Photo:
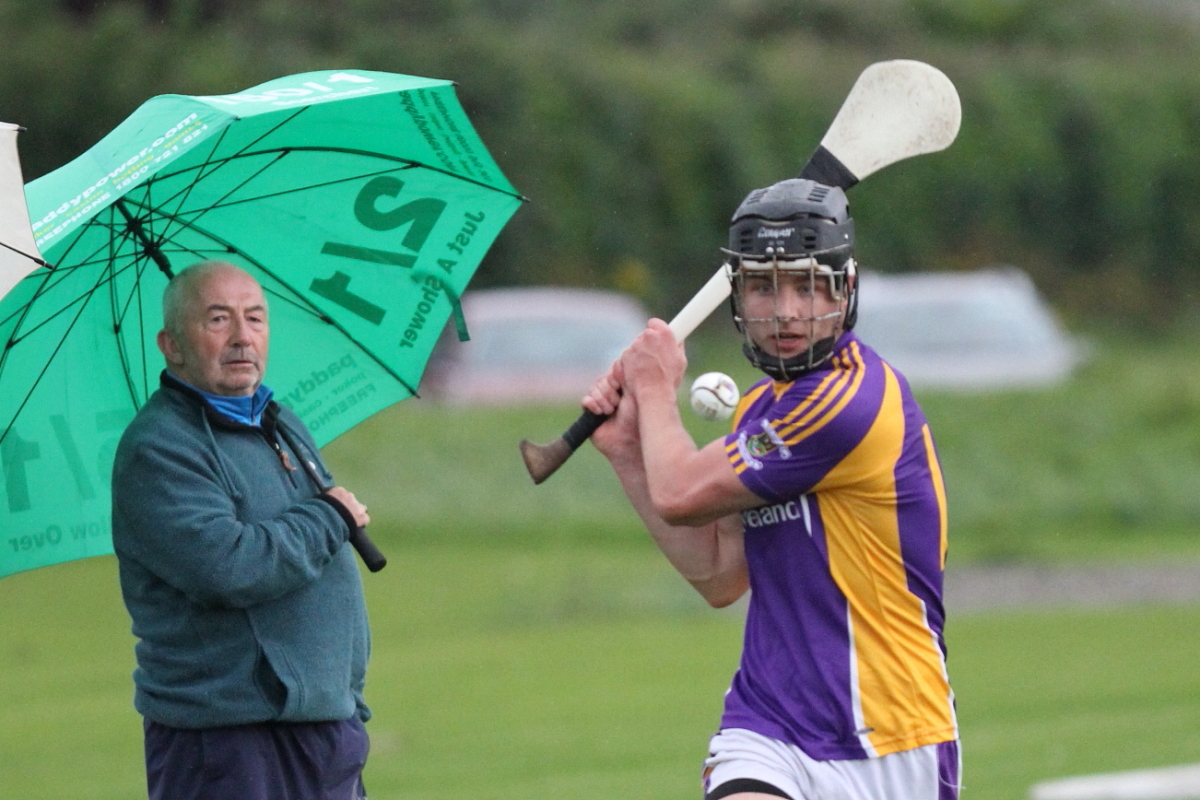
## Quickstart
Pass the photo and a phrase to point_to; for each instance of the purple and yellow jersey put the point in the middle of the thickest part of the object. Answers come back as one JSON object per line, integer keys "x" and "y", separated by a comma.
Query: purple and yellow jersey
{"x": 844, "y": 655}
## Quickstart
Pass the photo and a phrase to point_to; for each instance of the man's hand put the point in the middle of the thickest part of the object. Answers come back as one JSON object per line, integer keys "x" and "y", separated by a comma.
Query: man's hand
{"x": 347, "y": 499}
{"x": 655, "y": 361}
{"x": 618, "y": 437}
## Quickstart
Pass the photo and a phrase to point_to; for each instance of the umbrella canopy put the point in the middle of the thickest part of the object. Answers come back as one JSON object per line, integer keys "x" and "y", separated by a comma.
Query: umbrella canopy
{"x": 361, "y": 201}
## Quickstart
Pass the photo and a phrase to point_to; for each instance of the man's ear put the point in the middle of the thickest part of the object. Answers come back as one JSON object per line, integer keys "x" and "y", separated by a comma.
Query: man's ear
{"x": 169, "y": 347}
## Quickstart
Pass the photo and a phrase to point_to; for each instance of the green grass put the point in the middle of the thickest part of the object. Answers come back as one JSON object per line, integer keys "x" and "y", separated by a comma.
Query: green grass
{"x": 529, "y": 641}
{"x": 587, "y": 672}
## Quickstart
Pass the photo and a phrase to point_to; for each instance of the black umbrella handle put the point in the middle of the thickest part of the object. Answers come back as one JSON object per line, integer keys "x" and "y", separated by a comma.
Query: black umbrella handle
{"x": 370, "y": 554}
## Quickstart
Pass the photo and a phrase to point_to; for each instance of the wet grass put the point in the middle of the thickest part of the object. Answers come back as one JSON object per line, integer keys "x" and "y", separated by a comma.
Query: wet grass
{"x": 583, "y": 672}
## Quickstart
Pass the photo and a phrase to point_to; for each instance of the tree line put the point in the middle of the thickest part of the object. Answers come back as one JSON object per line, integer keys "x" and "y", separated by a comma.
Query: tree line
{"x": 636, "y": 128}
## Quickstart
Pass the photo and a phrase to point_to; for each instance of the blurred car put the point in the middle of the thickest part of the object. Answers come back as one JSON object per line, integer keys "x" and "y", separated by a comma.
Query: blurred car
{"x": 975, "y": 330}
{"x": 540, "y": 344}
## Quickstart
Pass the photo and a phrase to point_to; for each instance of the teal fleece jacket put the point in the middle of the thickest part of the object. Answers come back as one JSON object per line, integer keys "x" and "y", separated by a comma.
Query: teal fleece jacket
{"x": 245, "y": 597}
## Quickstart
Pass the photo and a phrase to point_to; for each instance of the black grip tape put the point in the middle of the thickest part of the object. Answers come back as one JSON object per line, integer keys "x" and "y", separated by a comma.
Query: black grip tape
{"x": 582, "y": 429}
{"x": 824, "y": 167}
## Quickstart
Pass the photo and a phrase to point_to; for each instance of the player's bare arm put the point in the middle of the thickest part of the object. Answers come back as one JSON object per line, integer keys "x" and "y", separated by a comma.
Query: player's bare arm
{"x": 688, "y": 486}
{"x": 708, "y": 556}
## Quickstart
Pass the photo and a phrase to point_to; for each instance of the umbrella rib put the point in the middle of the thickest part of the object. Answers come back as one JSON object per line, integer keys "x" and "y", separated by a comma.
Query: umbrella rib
{"x": 117, "y": 323}
{"x": 310, "y": 187}
{"x": 139, "y": 265}
{"x": 95, "y": 222}
{"x": 224, "y": 160}
{"x": 187, "y": 192}
{"x": 12, "y": 339}
{"x": 279, "y": 154}
{"x": 46, "y": 367}
{"x": 408, "y": 162}
{"x": 420, "y": 164}
{"x": 218, "y": 204}
{"x": 64, "y": 308}
{"x": 20, "y": 252}
{"x": 26, "y": 308}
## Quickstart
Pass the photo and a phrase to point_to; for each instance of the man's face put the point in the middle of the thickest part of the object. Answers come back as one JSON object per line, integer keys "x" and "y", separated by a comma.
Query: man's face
{"x": 784, "y": 312}
{"x": 223, "y": 346}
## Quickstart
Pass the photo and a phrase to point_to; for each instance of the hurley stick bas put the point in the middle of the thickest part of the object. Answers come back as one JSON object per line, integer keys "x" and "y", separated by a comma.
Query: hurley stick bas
{"x": 542, "y": 460}
{"x": 895, "y": 110}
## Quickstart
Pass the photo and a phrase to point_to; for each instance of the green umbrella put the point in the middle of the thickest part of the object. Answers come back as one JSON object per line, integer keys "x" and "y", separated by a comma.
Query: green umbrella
{"x": 361, "y": 201}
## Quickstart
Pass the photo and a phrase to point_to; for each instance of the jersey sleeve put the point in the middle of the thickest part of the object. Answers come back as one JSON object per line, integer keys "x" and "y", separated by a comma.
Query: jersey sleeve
{"x": 789, "y": 437}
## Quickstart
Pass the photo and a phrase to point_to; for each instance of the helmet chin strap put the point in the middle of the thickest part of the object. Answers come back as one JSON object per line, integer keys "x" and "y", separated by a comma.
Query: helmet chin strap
{"x": 789, "y": 369}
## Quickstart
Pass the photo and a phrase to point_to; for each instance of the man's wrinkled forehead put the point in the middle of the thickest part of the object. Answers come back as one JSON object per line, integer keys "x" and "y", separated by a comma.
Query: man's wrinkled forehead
{"x": 226, "y": 288}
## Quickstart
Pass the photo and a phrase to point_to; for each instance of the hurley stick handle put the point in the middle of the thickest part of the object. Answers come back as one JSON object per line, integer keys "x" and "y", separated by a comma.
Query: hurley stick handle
{"x": 543, "y": 460}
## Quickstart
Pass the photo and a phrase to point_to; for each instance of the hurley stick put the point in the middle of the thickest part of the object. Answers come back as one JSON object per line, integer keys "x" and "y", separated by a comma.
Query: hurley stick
{"x": 542, "y": 460}
{"x": 895, "y": 110}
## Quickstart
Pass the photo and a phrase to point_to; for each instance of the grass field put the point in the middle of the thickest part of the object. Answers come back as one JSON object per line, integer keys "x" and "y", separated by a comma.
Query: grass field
{"x": 584, "y": 673}
{"x": 529, "y": 642}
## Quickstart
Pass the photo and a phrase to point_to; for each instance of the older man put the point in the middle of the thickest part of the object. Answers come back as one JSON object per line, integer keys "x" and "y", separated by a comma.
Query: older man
{"x": 245, "y": 596}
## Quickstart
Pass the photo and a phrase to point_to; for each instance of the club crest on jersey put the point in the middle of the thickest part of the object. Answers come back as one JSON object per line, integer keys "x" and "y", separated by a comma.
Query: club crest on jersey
{"x": 753, "y": 447}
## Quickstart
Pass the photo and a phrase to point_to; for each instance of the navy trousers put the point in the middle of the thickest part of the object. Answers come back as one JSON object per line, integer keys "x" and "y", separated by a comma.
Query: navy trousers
{"x": 265, "y": 761}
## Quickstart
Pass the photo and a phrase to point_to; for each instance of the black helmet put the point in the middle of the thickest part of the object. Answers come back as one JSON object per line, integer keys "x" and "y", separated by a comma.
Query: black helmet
{"x": 793, "y": 219}
{"x": 794, "y": 225}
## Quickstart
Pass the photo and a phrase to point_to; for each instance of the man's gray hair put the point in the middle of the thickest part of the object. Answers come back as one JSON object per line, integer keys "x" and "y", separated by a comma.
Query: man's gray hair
{"x": 181, "y": 289}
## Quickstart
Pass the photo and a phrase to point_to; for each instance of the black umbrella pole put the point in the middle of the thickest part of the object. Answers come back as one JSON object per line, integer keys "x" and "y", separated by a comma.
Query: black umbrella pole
{"x": 370, "y": 554}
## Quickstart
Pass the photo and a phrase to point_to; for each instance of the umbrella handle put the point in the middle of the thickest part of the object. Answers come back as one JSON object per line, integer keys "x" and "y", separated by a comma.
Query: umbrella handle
{"x": 371, "y": 556}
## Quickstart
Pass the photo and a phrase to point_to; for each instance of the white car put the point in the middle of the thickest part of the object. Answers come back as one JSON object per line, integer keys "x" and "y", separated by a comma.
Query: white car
{"x": 966, "y": 330}
{"x": 541, "y": 344}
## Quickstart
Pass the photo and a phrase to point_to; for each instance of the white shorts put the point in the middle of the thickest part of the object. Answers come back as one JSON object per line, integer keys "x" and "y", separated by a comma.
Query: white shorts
{"x": 924, "y": 773}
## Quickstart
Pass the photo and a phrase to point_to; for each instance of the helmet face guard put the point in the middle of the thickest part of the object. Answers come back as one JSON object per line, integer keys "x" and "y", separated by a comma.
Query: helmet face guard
{"x": 810, "y": 314}
{"x": 799, "y": 230}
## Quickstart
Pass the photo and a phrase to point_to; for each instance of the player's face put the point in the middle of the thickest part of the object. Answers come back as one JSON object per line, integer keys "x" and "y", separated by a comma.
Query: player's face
{"x": 785, "y": 312}
{"x": 223, "y": 349}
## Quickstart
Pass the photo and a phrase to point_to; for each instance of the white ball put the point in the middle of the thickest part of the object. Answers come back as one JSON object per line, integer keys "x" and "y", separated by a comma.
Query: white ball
{"x": 714, "y": 396}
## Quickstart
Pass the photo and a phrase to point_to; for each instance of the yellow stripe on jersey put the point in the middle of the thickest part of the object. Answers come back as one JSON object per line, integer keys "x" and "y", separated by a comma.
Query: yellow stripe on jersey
{"x": 819, "y": 396}
{"x": 903, "y": 696}
{"x": 817, "y": 401}
{"x": 829, "y": 404}
{"x": 939, "y": 489}
{"x": 748, "y": 398}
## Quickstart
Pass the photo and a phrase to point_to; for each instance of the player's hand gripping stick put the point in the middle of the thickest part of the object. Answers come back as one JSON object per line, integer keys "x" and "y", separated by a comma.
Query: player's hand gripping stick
{"x": 543, "y": 460}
